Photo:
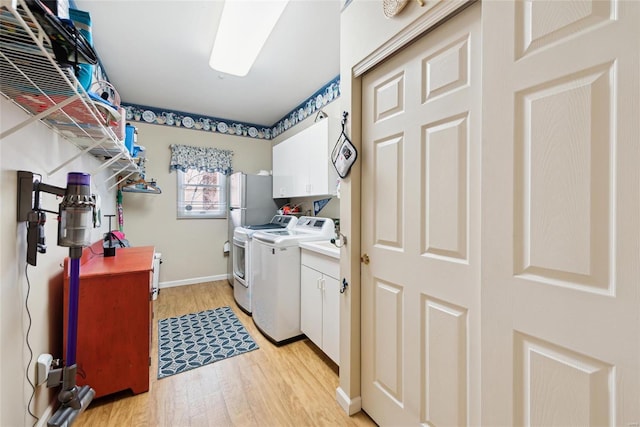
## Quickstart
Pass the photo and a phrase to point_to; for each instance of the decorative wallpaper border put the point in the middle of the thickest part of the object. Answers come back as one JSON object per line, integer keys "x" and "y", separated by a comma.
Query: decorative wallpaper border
{"x": 325, "y": 95}
{"x": 174, "y": 118}
{"x": 163, "y": 117}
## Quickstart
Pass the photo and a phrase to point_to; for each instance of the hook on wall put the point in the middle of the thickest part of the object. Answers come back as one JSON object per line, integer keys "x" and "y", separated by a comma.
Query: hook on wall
{"x": 321, "y": 115}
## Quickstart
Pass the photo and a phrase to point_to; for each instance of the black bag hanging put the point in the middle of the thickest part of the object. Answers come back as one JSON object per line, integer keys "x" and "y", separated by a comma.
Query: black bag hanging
{"x": 344, "y": 153}
{"x": 70, "y": 47}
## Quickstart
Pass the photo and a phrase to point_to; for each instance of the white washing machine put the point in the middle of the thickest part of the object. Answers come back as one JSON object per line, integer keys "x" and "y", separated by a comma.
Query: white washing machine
{"x": 275, "y": 275}
{"x": 242, "y": 257}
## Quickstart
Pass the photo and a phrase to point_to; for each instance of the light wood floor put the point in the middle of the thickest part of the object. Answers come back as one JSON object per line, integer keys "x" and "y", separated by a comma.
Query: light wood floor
{"x": 291, "y": 385}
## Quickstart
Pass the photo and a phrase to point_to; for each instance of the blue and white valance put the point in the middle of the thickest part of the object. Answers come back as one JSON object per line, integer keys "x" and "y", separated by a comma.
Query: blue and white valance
{"x": 207, "y": 159}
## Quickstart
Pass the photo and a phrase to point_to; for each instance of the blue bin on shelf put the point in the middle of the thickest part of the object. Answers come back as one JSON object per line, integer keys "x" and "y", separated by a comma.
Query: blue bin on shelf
{"x": 128, "y": 138}
{"x": 82, "y": 21}
{"x": 138, "y": 150}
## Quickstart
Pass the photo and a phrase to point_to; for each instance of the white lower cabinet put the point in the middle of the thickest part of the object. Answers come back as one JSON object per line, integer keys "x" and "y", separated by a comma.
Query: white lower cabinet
{"x": 320, "y": 301}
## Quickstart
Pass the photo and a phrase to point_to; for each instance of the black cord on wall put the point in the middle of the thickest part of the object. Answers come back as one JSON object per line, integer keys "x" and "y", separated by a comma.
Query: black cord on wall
{"x": 33, "y": 387}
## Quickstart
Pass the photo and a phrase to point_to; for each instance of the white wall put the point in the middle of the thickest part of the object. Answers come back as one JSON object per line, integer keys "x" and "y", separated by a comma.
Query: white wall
{"x": 37, "y": 149}
{"x": 191, "y": 248}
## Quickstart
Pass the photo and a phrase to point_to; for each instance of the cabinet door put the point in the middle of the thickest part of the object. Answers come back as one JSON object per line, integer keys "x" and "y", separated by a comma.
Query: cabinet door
{"x": 331, "y": 318}
{"x": 311, "y": 304}
{"x": 290, "y": 167}
{"x": 316, "y": 152}
{"x": 299, "y": 156}
{"x": 282, "y": 171}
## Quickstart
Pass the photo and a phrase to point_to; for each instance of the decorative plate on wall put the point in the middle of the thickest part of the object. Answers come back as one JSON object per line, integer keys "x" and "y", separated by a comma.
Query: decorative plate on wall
{"x": 188, "y": 122}
{"x": 148, "y": 116}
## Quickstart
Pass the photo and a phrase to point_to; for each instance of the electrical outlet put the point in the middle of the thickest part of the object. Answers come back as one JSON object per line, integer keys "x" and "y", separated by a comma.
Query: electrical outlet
{"x": 43, "y": 367}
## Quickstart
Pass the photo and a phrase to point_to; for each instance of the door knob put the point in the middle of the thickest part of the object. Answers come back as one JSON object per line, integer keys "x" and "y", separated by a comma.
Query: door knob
{"x": 364, "y": 259}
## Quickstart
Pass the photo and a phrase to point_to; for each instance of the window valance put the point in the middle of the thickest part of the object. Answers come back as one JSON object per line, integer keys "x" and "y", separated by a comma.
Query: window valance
{"x": 207, "y": 159}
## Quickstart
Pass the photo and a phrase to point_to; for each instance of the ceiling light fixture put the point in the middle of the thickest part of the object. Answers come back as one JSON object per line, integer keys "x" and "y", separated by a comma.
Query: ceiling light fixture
{"x": 244, "y": 28}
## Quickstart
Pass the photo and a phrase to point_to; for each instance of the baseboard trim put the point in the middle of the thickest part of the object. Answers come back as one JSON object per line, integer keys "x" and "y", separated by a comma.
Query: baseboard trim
{"x": 350, "y": 406}
{"x": 48, "y": 413}
{"x": 192, "y": 281}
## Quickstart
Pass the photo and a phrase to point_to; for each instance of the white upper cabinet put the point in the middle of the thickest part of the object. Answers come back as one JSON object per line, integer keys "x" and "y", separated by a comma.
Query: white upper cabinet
{"x": 302, "y": 163}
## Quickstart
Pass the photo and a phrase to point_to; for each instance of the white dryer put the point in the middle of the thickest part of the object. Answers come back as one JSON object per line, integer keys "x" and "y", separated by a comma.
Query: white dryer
{"x": 242, "y": 257}
{"x": 275, "y": 275}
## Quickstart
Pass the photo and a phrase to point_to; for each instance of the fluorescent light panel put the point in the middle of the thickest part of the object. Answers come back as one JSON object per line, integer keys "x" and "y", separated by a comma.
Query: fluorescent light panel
{"x": 244, "y": 28}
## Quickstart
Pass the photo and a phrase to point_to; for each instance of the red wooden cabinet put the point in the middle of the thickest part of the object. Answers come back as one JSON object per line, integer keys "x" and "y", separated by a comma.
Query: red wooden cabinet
{"x": 114, "y": 319}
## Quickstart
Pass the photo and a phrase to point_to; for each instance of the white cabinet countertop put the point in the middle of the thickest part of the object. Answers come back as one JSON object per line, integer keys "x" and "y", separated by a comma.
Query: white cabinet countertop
{"x": 322, "y": 247}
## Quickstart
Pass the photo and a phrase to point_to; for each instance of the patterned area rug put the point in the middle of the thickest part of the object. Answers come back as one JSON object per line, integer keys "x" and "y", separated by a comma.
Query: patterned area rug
{"x": 197, "y": 339}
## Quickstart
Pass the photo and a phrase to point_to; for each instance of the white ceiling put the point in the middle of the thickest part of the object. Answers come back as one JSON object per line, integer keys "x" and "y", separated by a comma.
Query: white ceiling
{"x": 156, "y": 53}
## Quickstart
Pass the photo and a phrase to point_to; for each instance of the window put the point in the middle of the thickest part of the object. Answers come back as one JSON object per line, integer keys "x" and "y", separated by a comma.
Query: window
{"x": 201, "y": 194}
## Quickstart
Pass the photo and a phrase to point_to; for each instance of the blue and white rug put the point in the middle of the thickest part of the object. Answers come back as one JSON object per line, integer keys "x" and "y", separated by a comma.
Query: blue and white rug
{"x": 197, "y": 339}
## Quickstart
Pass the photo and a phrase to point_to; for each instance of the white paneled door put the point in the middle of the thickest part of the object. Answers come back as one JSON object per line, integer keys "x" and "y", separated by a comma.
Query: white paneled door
{"x": 501, "y": 282}
{"x": 560, "y": 213}
{"x": 420, "y": 228}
